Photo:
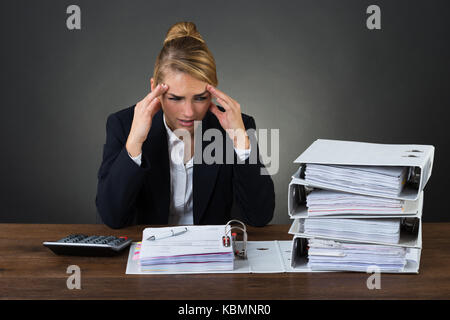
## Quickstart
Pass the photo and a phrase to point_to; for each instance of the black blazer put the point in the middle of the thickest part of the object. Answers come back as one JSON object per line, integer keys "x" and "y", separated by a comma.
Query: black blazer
{"x": 129, "y": 194}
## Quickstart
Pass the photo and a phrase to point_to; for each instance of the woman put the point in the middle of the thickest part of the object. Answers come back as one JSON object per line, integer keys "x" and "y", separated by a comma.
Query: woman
{"x": 149, "y": 173}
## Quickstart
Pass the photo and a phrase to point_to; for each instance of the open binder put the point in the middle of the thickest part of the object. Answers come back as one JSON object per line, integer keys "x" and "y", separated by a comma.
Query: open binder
{"x": 262, "y": 257}
{"x": 251, "y": 256}
{"x": 191, "y": 249}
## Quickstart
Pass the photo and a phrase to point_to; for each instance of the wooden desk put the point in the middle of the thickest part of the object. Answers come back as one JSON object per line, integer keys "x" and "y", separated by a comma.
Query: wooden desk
{"x": 28, "y": 270}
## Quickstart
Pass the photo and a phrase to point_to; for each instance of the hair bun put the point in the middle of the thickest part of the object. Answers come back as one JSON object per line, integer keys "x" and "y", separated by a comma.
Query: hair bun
{"x": 183, "y": 29}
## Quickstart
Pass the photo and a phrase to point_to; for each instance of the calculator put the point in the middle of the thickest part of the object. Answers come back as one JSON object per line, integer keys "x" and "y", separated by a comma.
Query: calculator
{"x": 83, "y": 245}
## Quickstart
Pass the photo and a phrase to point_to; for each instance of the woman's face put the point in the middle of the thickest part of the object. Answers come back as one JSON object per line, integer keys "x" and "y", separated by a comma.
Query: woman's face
{"x": 185, "y": 101}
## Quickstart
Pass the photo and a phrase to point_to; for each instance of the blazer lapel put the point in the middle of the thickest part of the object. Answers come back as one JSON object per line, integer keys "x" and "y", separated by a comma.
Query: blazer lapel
{"x": 204, "y": 176}
{"x": 155, "y": 152}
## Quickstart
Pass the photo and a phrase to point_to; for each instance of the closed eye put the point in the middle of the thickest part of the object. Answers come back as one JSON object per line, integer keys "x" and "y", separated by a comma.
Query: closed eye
{"x": 197, "y": 98}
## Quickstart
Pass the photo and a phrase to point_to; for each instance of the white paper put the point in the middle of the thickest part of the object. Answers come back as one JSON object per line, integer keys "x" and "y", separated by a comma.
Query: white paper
{"x": 326, "y": 202}
{"x": 380, "y": 230}
{"x": 200, "y": 248}
{"x": 382, "y": 181}
{"x": 336, "y": 255}
{"x": 410, "y": 208}
{"x": 407, "y": 240}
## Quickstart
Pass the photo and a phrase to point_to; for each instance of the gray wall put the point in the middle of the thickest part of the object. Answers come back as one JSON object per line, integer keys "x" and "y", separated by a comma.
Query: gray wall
{"x": 310, "y": 68}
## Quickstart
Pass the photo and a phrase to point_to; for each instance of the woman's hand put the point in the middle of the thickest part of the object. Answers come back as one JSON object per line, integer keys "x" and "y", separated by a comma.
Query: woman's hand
{"x": 142, "y": 120}
{"x": 231, "y": 119}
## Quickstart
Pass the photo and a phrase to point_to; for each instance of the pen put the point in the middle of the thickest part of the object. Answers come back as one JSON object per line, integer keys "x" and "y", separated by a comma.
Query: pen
{"x": 167, "y": 234}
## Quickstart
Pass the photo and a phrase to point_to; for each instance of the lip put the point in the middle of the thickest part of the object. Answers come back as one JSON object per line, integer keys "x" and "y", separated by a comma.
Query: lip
{"x": 186, "y": 123}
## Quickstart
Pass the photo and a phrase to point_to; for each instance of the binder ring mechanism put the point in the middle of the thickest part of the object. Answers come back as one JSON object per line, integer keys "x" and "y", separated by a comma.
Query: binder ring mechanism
{"x": 242, "y": 253}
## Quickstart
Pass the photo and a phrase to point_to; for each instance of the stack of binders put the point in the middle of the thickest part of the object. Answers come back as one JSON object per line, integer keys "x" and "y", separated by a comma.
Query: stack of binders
{"x": 358, "y": 206}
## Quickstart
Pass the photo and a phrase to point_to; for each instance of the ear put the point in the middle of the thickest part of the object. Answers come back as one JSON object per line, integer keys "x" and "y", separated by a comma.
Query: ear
{"x": 152, "y": 84}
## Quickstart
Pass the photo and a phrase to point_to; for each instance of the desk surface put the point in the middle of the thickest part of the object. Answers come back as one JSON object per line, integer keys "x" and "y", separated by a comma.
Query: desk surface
{"x": 28, "y": 270}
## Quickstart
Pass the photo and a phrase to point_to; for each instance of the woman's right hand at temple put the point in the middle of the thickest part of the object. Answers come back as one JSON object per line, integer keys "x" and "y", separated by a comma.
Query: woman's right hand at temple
{"x": 142, "y": 119}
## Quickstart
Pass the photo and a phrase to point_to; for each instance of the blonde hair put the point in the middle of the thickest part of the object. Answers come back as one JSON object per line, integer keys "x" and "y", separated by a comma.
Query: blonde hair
{"x": 185, "y": 50}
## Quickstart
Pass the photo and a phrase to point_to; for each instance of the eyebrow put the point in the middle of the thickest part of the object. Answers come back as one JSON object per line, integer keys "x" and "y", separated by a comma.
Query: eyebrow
{"x": 195, "y": 95}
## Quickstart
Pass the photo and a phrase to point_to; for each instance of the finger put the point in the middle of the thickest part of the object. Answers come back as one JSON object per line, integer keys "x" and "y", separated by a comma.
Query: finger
{"x": 159, "y": 90}
{"x": 234, "y": 101}
{"x": 215, "y": 110}
{"x": 223, "y": 103}
{"x": 219, "y": 94}
{"x": 154, "y": 106}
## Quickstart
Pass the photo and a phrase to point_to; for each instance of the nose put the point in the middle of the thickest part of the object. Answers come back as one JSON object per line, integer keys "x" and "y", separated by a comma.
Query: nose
{"x": 188, "y": 110}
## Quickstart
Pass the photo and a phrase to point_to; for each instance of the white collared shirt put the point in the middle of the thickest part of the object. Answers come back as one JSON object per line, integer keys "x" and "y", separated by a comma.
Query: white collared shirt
{"x": 181, "y": 177}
